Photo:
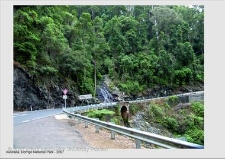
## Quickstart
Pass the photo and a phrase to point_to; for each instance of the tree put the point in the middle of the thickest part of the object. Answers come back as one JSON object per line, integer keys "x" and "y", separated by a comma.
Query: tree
{"x": 163, "y": 17}
{"x": 100, "y": 45}
{"x": 194, "y": 17}
{"x": 114, "y": 37}
{"x": 136, "y": 45}
{"x": 25, "y": 37}
{"x": 184, "y": 54}
{"x": 183, "y": 76}
{"x": 52, "y": 38}
{"x": 85, "y": 28}
{"x": 129, "y": 31}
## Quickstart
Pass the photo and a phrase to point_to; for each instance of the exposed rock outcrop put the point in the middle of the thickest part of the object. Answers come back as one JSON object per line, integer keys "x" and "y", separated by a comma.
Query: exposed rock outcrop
{"x": 28, "y": 96}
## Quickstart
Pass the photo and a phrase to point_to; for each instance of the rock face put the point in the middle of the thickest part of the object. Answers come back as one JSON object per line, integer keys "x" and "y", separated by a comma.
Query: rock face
{"x": 28, "y": 96}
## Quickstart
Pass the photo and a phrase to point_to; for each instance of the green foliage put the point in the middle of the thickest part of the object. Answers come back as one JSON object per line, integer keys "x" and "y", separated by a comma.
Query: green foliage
{"x": 116, "y": 119}
{"x": 111, "y": 85}
{"x": 199, "y": 77}
{"x": 198, "y": 108}
{"x": 25, "y": 37}
{"x": 134, "y": 108}
{"x": 101, "y": 114}
{"x": 138, "y": 47}
{"x": 87, "y": 86}
{"x": 183, "y": 122}
{"x": 170, "y": 123}
{"x": 48, "y": 70}
{"x": 173, "y": 100}
{"x": 117, "y": 110}
{"x": 183, "y": 76}
{"x": 130, "y": 87}
{"x": 184, "y": 53}
{"x": 195, "y": 136}
{"x": 156, "y": 112}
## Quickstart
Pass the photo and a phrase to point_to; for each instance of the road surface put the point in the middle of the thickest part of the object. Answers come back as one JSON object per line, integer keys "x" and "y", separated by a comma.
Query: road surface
{"x": 23, "y": 117}
{"x": 41, "y": 129}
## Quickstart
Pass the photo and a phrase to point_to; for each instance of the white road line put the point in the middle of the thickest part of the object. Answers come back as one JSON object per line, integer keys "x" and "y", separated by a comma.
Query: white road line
{"x": 25, "y": 121}
{"x": 45, "y": 116}
{"x": 17, "y": 115}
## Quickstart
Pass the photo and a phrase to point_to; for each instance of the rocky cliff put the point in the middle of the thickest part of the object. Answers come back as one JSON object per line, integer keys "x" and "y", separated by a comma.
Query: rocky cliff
{"x": 29, "y": 96}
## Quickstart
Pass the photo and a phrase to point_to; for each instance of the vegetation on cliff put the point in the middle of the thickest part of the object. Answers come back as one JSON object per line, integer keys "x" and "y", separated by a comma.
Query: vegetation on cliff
{"x": 137, "y": 46}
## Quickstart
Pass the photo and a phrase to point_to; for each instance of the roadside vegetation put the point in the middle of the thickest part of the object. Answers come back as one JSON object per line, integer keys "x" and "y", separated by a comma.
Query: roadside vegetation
{"x": 187, "y": 122}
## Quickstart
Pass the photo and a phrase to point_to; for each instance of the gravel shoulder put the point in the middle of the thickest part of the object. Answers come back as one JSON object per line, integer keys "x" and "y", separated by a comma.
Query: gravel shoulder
{"x": 102, "y": 140}
{"x": 61, "y": 132}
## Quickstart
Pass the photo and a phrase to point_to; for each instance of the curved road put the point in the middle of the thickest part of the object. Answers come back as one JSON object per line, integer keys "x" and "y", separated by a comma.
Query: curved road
{"x": 23, "y": 117}
{"x": 41, "y": 129}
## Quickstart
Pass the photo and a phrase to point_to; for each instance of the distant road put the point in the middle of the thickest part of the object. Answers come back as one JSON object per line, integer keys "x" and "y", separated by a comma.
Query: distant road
{"x": 23, "y": 117}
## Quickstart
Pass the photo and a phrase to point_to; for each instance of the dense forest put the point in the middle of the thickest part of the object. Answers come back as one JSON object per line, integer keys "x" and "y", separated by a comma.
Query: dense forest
{"x": 138, "y": 47}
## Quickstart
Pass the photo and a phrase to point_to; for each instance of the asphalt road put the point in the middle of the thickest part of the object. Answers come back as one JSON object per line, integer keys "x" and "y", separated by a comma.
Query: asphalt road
{"x": 41, "y": 129}
{"x": 47, "y": 133}
{"x": 27, "y": 116}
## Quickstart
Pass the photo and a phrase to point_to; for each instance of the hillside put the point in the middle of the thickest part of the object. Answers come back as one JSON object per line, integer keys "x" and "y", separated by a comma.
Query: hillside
{"x": 28, "y": 94}
{"x": 171, "y": 119}
{"x": 146, "y": 51}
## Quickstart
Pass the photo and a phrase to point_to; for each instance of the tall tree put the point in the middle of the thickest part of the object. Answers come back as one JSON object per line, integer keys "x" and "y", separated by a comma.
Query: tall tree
{"x": 100, "y": 46}
{"x": 26, "y": 36}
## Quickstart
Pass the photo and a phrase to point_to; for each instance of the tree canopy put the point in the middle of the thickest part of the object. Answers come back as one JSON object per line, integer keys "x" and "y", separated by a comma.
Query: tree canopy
{"x": 138, "y": 46}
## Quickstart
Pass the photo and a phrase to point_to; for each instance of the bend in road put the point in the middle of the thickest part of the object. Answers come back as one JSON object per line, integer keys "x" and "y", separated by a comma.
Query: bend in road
{"x": 23, "y": 117}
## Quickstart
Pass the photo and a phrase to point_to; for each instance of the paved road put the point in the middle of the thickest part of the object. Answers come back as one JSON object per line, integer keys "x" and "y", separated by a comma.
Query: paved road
{"x": 47, "y": 133}
{"x": 23, "y": 117}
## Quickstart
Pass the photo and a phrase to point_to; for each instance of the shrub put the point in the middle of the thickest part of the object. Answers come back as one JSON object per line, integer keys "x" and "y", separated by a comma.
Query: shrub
{"x": 173, "y": 100}
{"x": 101, "y": 114}
{"x": 198, "y": 108}
{"x": 199, "y": 78}
{"x": 195, "y": 136}
{"x": 171, "y": 123}
{"x": 156, "y": 113}
{"x": 117, "y": 109}
{"x": 134, "y": 108}
{"x": 116, "y": 119}
{"x": 183, "y": 76}
{"x": 156, "y": 110}
{"x": 130, "y": 87}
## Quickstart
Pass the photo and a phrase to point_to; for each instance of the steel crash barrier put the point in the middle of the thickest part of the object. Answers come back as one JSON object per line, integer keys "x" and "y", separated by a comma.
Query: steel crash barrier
{"x": 81, "y": 109}
{"x": 138, "y": 135}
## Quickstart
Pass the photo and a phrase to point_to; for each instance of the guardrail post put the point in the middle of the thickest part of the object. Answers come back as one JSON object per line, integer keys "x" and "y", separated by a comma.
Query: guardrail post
{"x": 137, "y": 141}
{"x": 79, "y": 121}
{"x": 112, "y": 132}
{"x": 86, "y": 124}
{"x": 96, "y": 127}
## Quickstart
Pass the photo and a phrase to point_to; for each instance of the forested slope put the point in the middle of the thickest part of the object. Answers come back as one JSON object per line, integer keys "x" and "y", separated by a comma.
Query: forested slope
{"x": 139, "y": 47}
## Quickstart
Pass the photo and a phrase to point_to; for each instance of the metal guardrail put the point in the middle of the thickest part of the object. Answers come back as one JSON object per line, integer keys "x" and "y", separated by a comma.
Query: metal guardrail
{"x": 159, "y": 140}
{"x": 111, "y": 104}
{"x": 81, "y": 109}
{"x": 178, "y": 95}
